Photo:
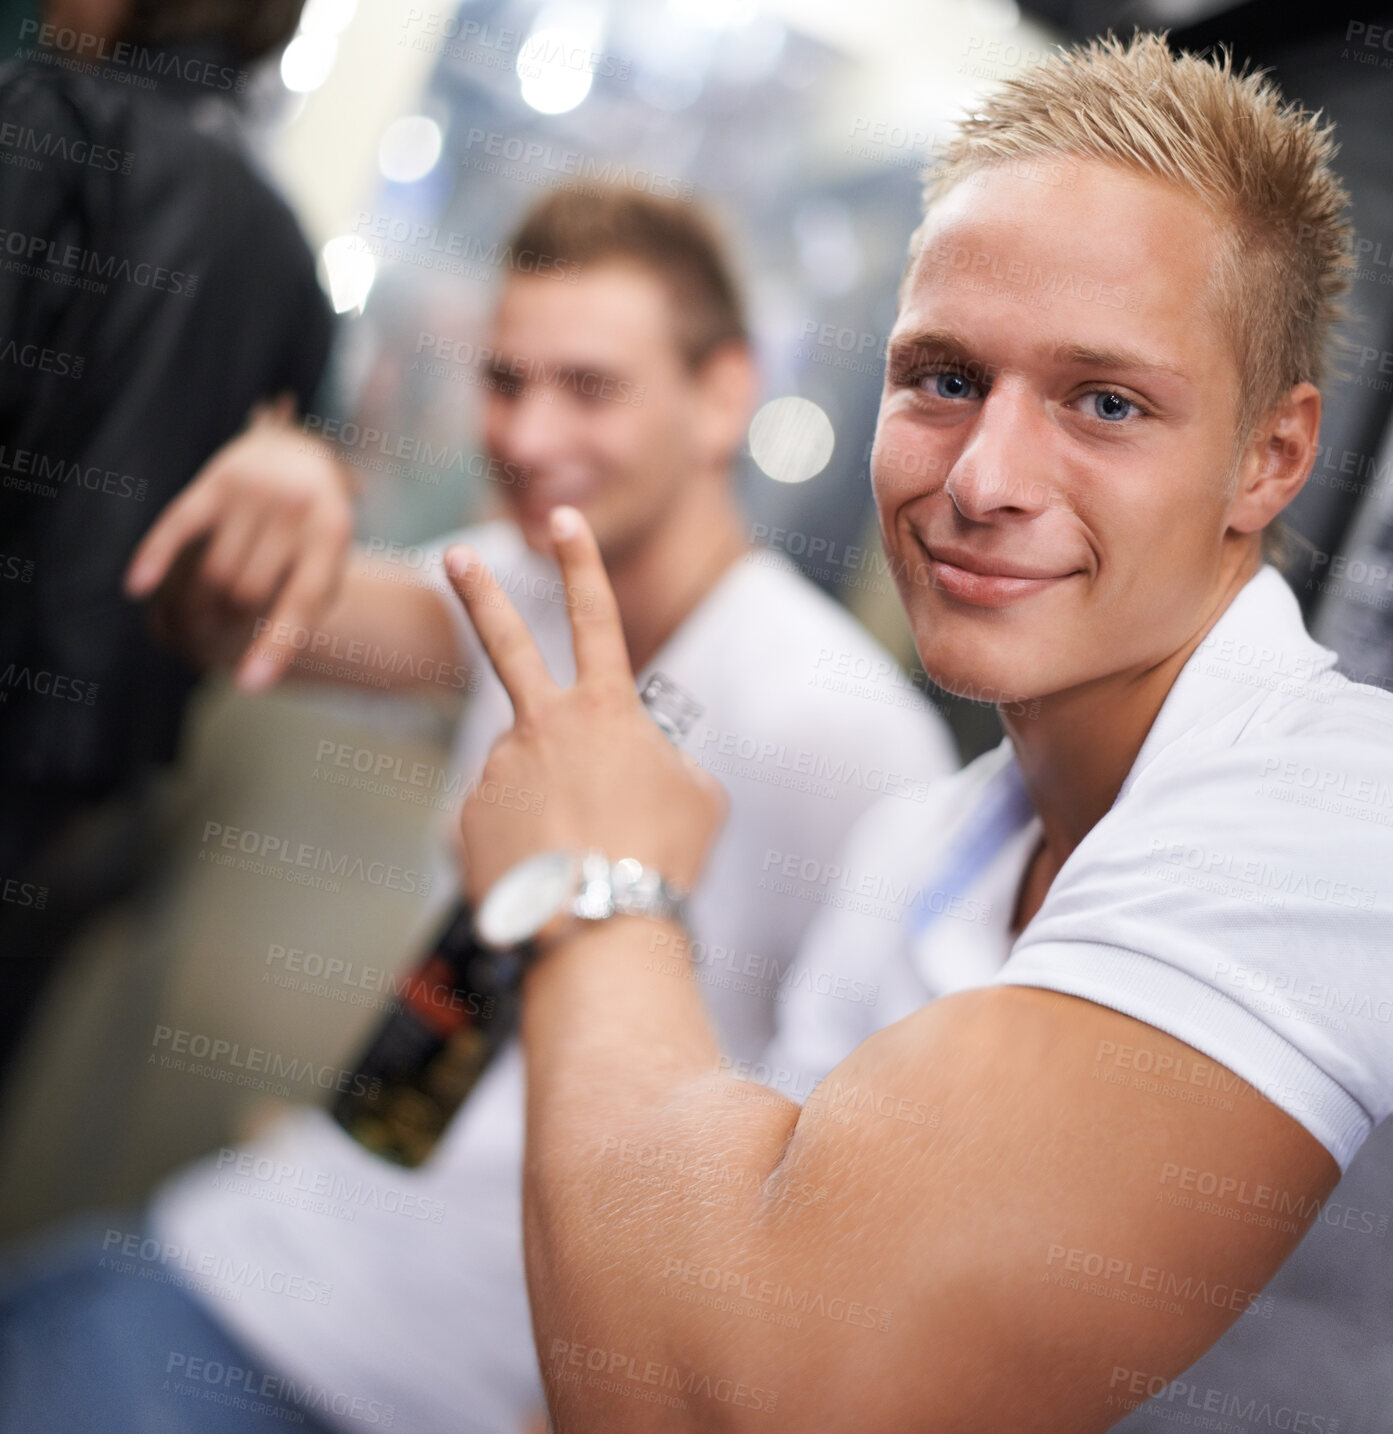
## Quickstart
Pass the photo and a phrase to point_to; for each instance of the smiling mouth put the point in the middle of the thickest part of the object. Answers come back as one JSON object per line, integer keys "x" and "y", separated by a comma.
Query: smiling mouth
{"x": 542, "y": 493}
{"x": 985, "y": 589}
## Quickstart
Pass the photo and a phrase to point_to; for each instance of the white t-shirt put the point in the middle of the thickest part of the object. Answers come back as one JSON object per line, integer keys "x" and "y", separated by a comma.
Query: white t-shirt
{"x": 1237, "y": 895}
{"x": 424, "y": 1306}
{"x": 923, "y": 914}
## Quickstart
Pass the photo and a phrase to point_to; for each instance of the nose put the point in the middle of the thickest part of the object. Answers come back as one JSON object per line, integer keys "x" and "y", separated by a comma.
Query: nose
{"x": 1003, "y": 464}
{"x": 525, "y": 427}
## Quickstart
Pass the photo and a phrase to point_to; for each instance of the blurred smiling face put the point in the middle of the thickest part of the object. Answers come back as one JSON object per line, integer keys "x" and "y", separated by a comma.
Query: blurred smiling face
{"x": 1056, "y": 431}
{"x": 591, "y": 397}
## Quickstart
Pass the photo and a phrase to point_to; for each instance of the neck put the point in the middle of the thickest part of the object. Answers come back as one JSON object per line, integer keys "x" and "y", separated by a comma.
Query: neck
{"x": 661, "y": 579}
{"x": 1076, "y": 752}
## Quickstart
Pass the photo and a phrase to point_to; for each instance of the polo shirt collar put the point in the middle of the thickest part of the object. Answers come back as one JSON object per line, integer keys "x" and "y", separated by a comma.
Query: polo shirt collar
{"x": 1258, "y": 647}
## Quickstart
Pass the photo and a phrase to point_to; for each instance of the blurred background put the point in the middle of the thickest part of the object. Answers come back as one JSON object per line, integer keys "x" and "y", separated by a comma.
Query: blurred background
{"x": 408, "y": 139}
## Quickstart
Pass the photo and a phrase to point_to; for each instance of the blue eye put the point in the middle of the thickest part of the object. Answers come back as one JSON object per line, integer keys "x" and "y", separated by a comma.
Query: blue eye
{"x": 1112, "y": 406}
{"x": 952, "y": 385}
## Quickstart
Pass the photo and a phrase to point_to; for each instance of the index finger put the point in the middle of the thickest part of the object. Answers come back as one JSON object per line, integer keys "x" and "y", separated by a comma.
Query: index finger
{"x": 185, "y": 519}
{"x": 307, "y": 595}
{"x": 505, "y": 636}
{"x": 596, "y": 631}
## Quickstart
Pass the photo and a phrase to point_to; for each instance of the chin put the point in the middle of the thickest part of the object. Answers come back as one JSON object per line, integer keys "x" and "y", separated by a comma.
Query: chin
{"x": 535, "y": 531}
{"x": 535, "y": 523}
{"x": 964, "y": 670}
{"x": 534, "y": 519}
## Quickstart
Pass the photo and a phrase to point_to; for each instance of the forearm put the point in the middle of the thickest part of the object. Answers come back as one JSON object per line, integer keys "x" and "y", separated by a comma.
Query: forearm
{"x": 385, "y": 631}
{"x": 624, "y": 1085}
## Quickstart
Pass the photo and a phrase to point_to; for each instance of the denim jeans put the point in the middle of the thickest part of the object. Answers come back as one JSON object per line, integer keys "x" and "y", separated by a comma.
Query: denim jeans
{"x": 96, "y": 1342}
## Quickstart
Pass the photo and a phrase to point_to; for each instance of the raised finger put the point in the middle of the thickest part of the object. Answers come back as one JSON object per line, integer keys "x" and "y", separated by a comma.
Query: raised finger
{"x": 601, "y": 652}
{"x": 302, "y": 603}
{"x": 188, "y": 517}
{"x": 505, "y": 636}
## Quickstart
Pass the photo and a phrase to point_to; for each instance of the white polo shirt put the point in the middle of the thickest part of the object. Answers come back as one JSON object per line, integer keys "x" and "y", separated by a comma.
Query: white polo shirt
{"x": 1237, "y": 895}
{"x": 420, "y": 1300}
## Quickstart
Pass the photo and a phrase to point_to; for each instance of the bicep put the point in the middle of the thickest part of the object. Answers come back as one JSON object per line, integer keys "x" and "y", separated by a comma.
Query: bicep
{"x": 1023, "y": 1215}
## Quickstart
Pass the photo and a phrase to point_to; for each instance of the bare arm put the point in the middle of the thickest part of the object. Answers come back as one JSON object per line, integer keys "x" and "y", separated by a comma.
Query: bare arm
{"x": 385, "y": 629}
{"x": 251, "y": 567}
{"x": 966, "y": 1228}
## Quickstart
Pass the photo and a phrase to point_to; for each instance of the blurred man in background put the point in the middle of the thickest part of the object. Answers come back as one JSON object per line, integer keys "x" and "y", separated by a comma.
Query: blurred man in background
{"x": 153, "y": 290}
{"x": 619, "y": 379}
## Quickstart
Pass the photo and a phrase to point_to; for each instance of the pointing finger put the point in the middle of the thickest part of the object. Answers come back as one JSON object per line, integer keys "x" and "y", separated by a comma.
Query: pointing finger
{"x": 185, "y": 519}
{"x": 601, "y": 652}
{"x": 505, "y": 636}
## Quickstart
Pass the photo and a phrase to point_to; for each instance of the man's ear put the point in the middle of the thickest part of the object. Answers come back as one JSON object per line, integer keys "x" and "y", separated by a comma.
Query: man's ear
{"x": 729, "y": 384}
{"x": 1276, "y": 460}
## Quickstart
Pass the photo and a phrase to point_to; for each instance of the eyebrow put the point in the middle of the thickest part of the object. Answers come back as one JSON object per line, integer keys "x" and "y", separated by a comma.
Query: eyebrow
{"x": 1085, "y": 356}
{"x": 945, "y": 341}
{"x": 937, "y": 340}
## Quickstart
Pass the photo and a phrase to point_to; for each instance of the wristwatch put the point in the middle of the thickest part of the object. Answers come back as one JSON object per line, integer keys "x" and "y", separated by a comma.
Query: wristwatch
{"x": 539, "y": 897}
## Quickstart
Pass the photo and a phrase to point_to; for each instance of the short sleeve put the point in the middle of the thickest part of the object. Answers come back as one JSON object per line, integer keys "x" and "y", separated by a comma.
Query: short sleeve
{"x": 1239, "y": 900}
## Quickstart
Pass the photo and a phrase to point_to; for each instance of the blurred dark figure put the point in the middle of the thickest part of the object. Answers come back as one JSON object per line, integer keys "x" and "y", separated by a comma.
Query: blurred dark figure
{"x": 153, "y": 290}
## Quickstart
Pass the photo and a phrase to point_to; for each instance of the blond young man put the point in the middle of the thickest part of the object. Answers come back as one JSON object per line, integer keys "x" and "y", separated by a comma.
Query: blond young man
{"x": 1100, "y": 395}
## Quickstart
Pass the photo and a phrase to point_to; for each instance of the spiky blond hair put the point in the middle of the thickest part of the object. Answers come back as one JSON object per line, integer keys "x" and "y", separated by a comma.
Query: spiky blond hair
{"x": 1261, "y": 165}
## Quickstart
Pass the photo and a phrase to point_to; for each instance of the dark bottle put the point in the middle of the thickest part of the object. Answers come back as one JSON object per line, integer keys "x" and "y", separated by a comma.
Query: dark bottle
{"x": 455, "y": 1011}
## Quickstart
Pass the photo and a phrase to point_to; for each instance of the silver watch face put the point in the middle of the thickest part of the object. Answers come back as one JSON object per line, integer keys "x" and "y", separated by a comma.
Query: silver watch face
{"x": 526, "y": 897}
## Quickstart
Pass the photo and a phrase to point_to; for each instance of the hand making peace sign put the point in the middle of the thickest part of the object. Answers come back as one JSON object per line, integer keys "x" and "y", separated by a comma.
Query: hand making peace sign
{"x": 607, "y": 776}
